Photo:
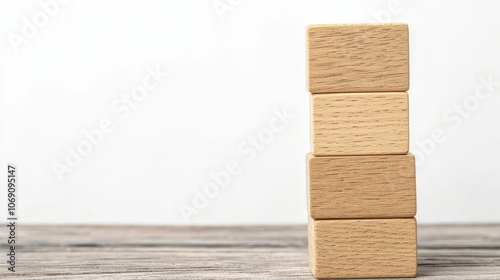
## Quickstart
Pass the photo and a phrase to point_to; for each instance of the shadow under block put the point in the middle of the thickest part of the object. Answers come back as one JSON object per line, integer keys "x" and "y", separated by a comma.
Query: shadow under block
{"x": 357, "y": 187}
{"x": 357, "y": 58}
{"x": 369, "y": 248}
{"x": 359, "y": 123}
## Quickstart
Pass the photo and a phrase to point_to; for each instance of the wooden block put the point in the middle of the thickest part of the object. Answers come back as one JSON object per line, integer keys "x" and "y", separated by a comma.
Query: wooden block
{"x": 369, "y": 248}
{"x": 357, "y": 58}
{"x": 356, "y": 187}
{"x": 359, "y": 123}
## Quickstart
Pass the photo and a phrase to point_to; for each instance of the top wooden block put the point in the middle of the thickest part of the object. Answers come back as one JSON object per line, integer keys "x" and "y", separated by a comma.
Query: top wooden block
{"x": 357, "y": 58}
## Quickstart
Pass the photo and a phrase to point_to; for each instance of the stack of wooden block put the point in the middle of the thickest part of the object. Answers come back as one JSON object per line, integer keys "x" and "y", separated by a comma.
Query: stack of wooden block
{"x": 361, "y": 179}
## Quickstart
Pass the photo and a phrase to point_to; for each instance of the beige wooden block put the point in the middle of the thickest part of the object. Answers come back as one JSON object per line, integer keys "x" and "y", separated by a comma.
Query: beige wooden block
{"x": 357, "y": 58}
{"x": 359, "y": 123}
{"x": 367, "y": 248}
{"x": 354, "y": 187}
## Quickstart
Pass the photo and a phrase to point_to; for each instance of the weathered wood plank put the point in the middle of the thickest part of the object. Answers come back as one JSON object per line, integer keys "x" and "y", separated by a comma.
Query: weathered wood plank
{"x": 277, "y": 252}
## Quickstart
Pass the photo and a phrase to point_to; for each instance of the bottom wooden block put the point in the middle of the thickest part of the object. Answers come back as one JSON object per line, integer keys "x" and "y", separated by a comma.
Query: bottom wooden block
{"x": 368, "y": 248}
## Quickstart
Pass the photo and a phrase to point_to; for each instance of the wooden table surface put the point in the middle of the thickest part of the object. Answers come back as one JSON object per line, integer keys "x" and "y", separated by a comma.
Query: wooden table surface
{"x": 262, "y": 252}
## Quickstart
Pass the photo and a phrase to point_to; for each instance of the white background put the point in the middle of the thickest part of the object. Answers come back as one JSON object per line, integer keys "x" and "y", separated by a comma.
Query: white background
{"x": 229, "y": 71}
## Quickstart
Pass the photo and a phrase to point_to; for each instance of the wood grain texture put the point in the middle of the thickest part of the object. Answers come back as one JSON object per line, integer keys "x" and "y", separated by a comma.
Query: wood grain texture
{"x": 357, "y": 58}
{"x": 349, "y": 187}
{"x": 367, "y": 248}
{"x": 448, "y": 252}
{"x": 359, "y": 123}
